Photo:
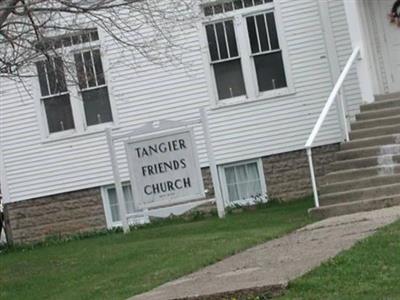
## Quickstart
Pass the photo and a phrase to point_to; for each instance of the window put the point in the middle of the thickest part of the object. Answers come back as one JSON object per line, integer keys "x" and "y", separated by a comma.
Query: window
{"x": 243, "y": 182}
{"x": 54, "y": 95}
{"x": 82, "y": 100}
{"x": 111, "y": 206}
{"x": 225, "y": 59}
{"x": 113, "y": 202}
{"x": 244, "y": 50}
{"x": 92, "y": 87}
{"x": 265, "y": 51}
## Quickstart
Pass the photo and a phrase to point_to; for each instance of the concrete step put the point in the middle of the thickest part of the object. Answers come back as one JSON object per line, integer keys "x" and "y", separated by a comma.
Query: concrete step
{"x": 365, "y": 162}
{"x": 372, "y": 141}
{"x": 374, "y": 132}
{"x": 377, "y": 114}
{"x": 391, "y": 103}
{"x": 387, "y": 96}
{"x": 360, "y": 194}
{"x": 359, "y": 183}
{"x": 324, "y": 212}
{"x": 340, "y": 176}
{"x": 372, "y": 123}
{"x": 367, "y": 152}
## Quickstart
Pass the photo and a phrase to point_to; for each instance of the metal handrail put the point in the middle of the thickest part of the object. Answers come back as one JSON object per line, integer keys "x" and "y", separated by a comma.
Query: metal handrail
{"x": 332, "y": 97}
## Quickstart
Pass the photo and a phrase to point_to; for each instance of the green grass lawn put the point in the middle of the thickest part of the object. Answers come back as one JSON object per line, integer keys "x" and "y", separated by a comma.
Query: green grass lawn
{"x": 370, "y": 270}
{"x": 116, "y": 266}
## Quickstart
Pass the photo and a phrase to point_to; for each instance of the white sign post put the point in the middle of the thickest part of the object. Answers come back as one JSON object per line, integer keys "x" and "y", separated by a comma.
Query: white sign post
{"x": 164, "y": 166}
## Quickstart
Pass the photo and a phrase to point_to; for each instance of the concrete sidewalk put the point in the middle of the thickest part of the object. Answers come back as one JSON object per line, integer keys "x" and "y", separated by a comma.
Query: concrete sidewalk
{"x": 270, "y": 266}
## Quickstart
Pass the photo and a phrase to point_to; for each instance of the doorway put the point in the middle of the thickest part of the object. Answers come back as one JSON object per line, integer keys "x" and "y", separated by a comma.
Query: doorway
{"x": 386, "y": 40}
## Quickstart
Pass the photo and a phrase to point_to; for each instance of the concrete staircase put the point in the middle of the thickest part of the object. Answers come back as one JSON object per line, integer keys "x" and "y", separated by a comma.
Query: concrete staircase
{"x": 366, "y": 173}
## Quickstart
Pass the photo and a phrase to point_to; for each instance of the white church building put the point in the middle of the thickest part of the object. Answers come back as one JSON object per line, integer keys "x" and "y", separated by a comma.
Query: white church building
{"x": 263, "y": 70}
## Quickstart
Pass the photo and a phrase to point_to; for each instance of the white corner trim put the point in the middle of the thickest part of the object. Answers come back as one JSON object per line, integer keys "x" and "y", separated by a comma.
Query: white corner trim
{"x": 3, "y": 179}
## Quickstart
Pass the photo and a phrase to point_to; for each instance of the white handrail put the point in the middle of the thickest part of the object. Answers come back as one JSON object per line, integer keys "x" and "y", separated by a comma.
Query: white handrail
{"x": 332, "y": 97}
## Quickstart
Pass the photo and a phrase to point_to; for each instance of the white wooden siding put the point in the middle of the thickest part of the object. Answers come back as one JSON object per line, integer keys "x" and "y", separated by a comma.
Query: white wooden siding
{"x": 144, "y": 91}
{"x": 344, "y": 49}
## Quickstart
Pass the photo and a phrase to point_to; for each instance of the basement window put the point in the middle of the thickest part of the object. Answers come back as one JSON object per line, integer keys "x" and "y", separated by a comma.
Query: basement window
{"x": 243, "y": 182}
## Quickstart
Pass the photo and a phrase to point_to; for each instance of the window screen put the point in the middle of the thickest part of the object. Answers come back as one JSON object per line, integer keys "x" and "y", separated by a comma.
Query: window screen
{"x": 243, "y": 181}
{"x": 266, "y": 52}
{"x": 225, "y": 59}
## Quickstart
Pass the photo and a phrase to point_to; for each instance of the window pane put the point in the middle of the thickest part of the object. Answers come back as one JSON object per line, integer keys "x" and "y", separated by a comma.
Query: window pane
{"x": 272, "y": 31}
{"x": 212, "y": 43}
{"x": 243, "y": 191}
{"x": 223, "y": 50}
{"x": 229, "y": 79}
{"x": 80, "y": 71}
{"x": 248, "y": 3}
{"x": 218, "y": 9}
{"x": 233, "y": 193}
{"x": 228, "y": 6}
{"x": 112, "y": 198}
{"x": 262, "y": 32}
{"x": 230, "y": 175}
{"x": 51, "y": 76}
{"x": 97, "y": 106}
{"x": 85, "y": 37}
{"x": 76, "y": 39}
{"x": 241, "y": 173}
{"x": 238, "y": 4}
{"x": 98, "y": 67}
{"x": 251, "y": 28}
{"x": 270, "y": 71}
{"x": 208, "y": 11}
{"x": 42, "y": 78}
{"x": 252, "y": 172}
{"x": 113, "y": 202}
{"x": 243, "y": 181}
{"x": 254, "y": 189}
{"x": 128, "y": 197}
{"x": 59, "y": 113}
{"x": 60, "y": 76}
{"x": 94, "y": 35}
{"x": 87, "y": 57}
{"x": 230, "y": 32}
{"x": 67, "y": 41}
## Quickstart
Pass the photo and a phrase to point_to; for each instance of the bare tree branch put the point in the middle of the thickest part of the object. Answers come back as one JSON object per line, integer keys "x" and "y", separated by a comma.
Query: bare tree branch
{"x": 31, "y": 29}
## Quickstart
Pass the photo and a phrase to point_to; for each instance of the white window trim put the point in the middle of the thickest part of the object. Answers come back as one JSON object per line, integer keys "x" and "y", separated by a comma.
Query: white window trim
{"x": 142, "y": 217}
{"x": 248, "y": 68}
{"x": 76, "y": 101}
{"x": 224, "y": 187}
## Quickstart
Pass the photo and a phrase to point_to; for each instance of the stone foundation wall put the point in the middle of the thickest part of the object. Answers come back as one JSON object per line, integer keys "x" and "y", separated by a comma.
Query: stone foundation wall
{"x": 287, "y": 176}
{"x": 58, "y": 215}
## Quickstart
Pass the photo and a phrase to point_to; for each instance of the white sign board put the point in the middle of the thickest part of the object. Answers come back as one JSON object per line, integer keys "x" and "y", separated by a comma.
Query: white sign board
{"x": 164, "y": 168}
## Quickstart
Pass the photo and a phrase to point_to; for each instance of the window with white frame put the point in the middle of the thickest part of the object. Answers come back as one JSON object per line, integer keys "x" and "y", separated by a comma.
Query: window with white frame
{"x": 92, "y": 87}
{"x": 55, "y": 97}
{"x": 111, "y": 203}
{"x": 244, "y": 50}
{"x": 243, "y": 181}
{"x": 80, "y": 54}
